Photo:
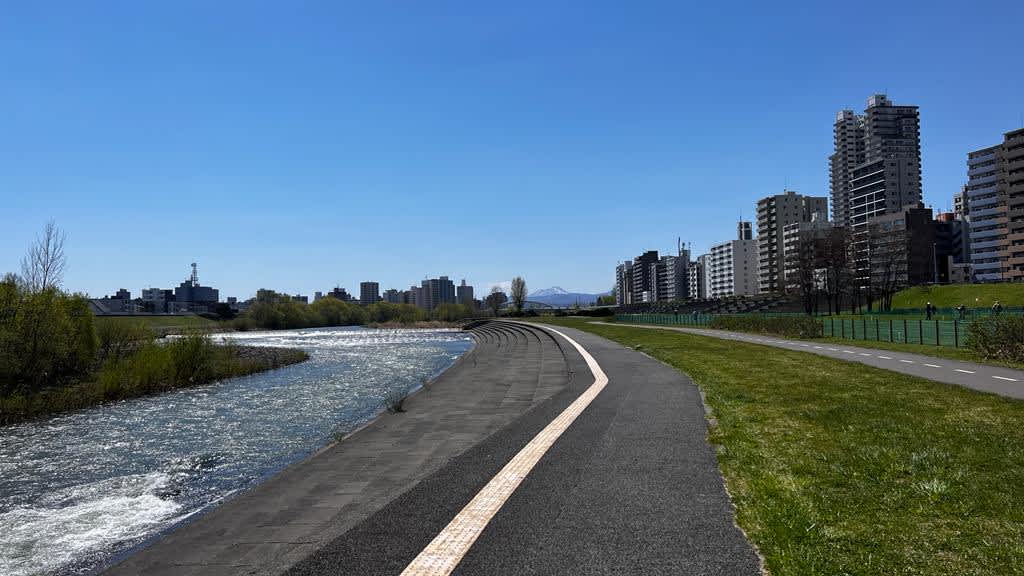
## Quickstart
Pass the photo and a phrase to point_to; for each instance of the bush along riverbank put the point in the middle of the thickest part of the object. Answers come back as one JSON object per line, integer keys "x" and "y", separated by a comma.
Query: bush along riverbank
{"x": 54, "y": 356}
{"x": 150, "y": 368}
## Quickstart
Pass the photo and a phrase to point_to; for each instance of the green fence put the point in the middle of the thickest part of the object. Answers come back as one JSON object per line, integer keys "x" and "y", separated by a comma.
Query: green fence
{"x": 905, "y": 330}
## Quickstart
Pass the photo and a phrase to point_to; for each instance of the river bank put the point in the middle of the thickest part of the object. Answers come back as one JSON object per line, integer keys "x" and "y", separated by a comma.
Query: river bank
{"x": 224, "y": 361}
{"x": 112, "y": 476}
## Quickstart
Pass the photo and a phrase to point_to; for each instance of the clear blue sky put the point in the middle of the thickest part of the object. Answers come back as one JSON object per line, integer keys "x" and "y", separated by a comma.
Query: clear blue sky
{"x": 299, "y": 145}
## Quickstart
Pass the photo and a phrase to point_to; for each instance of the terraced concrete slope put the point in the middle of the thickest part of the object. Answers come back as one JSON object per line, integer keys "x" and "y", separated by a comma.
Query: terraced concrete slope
{"x": 510, "y": 370}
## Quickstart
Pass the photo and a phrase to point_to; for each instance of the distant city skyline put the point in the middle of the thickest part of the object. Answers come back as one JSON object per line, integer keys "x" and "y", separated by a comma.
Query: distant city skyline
{"x": 297, "y": 148}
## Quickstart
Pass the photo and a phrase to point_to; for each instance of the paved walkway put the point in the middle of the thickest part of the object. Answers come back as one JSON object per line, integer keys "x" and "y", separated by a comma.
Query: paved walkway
{"x": 630, "y": 487}
{"x": 1002, "y": 381}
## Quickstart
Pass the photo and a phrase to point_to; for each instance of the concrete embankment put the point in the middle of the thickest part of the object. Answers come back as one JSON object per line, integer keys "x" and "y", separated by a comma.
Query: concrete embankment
{"x": 512, "y": 370}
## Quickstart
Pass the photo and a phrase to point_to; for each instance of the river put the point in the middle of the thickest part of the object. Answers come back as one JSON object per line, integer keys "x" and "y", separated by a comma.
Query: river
{"x": 79, "y": 489}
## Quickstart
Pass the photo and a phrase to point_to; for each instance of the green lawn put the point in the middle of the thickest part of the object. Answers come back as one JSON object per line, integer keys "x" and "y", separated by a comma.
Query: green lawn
{"x": 839, "y": 468}
{"x": 953, "y": 295}
{"x": 161, "y": 324}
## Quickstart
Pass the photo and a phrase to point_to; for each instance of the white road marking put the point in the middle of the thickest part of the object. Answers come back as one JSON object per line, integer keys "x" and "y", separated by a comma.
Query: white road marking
{"x": 1005, "y": 378}
{"x": 964, "y": 371}
{"x": 932, "y": 365}
{"x": 806, "y": 345}
{"x": 834, "y": 349}
{"x": 907, "y": 361}
{"x": 849, "y": 351}
{"x": 864, "y": 354}
{"x": 885, "y": 357}
{"x": 817, "y": 347}
{"x": 447, "y": 549}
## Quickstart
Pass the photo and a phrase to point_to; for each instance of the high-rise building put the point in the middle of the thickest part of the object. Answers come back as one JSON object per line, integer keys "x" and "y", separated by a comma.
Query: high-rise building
{"x": 695, "y": 276}
{"x": 645, "y": 277}
{"x": 995, "y": 202}
{"x": 803, "y": 252}
{"x": 732, "y": 266}
{"x": 774, "y": 213}
{"x": 435, "y": 291}
{"x": 875, "y": 169}
{"x": 369, "y": 293}
{"x": 624, "y": 283}
{"x": 464, "y": 293}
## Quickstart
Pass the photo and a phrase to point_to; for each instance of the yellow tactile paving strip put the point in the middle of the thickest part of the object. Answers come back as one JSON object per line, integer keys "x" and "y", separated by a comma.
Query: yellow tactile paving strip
{"x": 445, "y": 552}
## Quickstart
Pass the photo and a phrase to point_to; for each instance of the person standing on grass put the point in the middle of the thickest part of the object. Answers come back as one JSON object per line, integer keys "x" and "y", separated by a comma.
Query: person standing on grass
{"x": 997, "y": 308}
{"x": 928, "y": 311}
{"x": 961, "y": 311}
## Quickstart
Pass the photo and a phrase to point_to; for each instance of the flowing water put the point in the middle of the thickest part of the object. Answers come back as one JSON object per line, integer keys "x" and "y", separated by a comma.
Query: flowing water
{"x": 78, "y": 489}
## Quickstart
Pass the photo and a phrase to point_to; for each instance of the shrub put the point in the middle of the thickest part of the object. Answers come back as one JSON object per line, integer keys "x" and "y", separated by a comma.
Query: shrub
{"x": 999, "y": 337}
{"x": 47, "y": 338}
{"x": 797, "y": 326}
{"x": 118, "y": 338}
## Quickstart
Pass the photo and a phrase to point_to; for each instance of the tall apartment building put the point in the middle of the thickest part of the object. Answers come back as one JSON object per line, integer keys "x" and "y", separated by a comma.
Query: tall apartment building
{"x": 369, "y": 293}
{"x": 803, "y": 244}
{"x": 464, "y": 293}
{"x": 732, "y": 266}
{"x": 995, "y": 200}
{"x": 672, "y": 281}
{"x": 875, "y": 169}
{"x": 435, "y": 291}
{"x": 695, "y": 276}
{"x": 774, "y": 213}
{"x": 392, "y": 296}
{"x": 645, "y": 277}
{"x": 624, "y": 283}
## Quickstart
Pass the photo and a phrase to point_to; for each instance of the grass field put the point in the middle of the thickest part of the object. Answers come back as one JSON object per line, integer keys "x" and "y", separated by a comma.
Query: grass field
{"x": 953, "y": 295}
{"x": 161, "y": 324}
{"x": 839, "y": 468}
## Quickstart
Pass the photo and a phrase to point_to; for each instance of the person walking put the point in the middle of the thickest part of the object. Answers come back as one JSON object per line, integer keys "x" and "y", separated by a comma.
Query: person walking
{"x": 961, "y": 312}
{"x": 928, "y": 311}
{"x": 997, "y": 308}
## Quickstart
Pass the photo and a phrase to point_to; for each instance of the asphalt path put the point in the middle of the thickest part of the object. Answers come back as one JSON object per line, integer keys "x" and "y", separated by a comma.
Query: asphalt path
{"x": 632, "y": 486}
{"x": 994, "y": 379}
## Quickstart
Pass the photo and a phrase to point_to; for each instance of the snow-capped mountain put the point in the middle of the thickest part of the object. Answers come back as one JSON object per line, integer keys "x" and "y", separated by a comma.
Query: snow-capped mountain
{"x": 560, "y": 298}
{"x": 553, "y": 291}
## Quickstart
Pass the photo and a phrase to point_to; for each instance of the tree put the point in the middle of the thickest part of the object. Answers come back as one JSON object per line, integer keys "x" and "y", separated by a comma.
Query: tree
{"x": 837, "y": 261}
{"x": 518, "y": 293}
{"x": 43, "y": 267}
{"x": 805, "y": 263}
{"x": 495, "y": 299}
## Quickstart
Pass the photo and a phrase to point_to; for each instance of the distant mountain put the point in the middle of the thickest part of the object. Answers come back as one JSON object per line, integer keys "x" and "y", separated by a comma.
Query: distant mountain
{"x": 560, "y": 298}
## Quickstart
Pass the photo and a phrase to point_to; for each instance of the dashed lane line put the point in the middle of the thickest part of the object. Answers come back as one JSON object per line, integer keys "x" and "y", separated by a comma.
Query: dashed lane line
{"x": 447, "y": 549}
{"x": 964, "y": 371}
{"x": 885, "y": 357}
{"x": 1005, "y": 378}
{"x": 932, "y": 365}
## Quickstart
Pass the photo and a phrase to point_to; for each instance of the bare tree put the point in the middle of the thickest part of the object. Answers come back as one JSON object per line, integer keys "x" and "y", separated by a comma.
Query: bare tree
{"x": 495, "y": 299}
{"x": 43, "y": 267}
{"x": 805, "y": 262}
{"x": 837, "y": 266}
{"x": 518, "y": 290}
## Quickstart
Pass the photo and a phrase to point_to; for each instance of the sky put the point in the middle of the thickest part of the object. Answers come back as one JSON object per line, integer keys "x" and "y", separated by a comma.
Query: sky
{"x": 302, "y": 145}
